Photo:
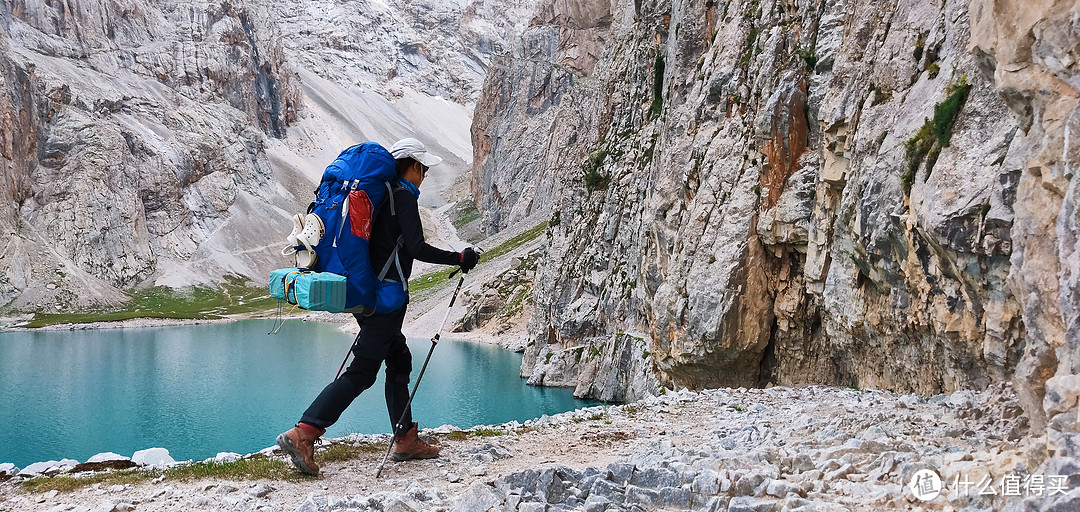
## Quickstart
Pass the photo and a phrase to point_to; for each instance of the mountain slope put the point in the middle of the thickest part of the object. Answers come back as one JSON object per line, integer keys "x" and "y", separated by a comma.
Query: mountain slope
{"x": 146, "y": 143}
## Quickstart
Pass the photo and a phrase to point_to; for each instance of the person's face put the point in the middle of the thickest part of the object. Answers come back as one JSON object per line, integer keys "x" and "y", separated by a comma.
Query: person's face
{"x": 417, "y": 173}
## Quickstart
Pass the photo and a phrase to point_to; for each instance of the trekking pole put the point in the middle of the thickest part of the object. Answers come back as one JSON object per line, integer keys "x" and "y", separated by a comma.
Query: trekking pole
{"x": 434, "y": 341}
{"x": 355, "y": 341}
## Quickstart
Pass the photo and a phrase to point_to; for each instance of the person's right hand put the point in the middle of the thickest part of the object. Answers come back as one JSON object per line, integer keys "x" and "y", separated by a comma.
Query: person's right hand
{"x": 469, "y": 257}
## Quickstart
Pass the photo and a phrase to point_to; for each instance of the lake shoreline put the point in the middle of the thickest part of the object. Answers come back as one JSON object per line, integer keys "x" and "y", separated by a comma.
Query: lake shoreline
{"x": 412, "y": 330}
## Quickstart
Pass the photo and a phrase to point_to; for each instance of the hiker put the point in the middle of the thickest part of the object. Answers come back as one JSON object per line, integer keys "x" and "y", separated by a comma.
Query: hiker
{"x": 380, "y": 339}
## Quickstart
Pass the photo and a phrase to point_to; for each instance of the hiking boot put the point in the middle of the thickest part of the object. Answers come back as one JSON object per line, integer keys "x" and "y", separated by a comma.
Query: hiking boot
{"x": 299, "y": 443}
{"x": 409, "y": 446}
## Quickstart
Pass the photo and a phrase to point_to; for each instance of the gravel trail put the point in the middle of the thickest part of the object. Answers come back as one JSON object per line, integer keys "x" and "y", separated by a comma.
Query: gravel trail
{"x": 762, "y": 450}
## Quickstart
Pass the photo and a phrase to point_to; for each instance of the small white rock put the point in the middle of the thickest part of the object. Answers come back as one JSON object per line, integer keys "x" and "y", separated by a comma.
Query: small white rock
{"x": 155, "y": 457}
{"x": 260, "y": 490}
{"x": 225, "y": 458}
{"x": 106, "y": 457}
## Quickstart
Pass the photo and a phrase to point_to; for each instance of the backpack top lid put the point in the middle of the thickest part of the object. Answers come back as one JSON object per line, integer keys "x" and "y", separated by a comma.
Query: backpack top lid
{"x": 367, "y": 161}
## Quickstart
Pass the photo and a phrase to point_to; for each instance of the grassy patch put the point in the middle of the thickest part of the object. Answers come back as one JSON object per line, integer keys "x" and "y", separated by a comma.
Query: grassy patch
{"x": 946, "y": 112}
{"x": 934, "y": 134}
{"x": 808, "y": 58}
{"x": 420, "y": 287}
{"x": 516, "y": 304}
{"x": 515, "y": 242}
{"x": 339, "y": 452}
{"x": 67, "y": 483}
{"x": 879, "y": 95}
{"x": 596, "y": 159}
{"x": 237, "y": 295}
{"x": 487, "y": 432}
{"x": 457, "y": 435}
{"x": 596, "y": 180}
{"x": 658, "y": 87}
{"x": 463, "y": 212}
{"x": 252, "y": 468}
{"x": 647, "y": 155}
{"x": 751, "y": 38}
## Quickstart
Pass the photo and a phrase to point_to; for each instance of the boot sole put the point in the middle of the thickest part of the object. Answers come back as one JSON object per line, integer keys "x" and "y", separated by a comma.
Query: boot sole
{"x": 402, "y": 457}
{"x": 286, "y": 444}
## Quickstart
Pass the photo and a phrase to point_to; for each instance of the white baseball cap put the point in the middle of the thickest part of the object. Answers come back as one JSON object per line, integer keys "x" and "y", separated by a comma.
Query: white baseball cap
{"x": 412, "y": 148}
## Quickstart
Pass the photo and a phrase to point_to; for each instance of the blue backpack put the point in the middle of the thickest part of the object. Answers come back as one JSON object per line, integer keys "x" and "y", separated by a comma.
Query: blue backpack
{"x": 352, "y": 189}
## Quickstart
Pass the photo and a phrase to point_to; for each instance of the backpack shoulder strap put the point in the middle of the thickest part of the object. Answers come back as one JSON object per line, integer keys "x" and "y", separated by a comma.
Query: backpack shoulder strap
{"x": 390, "y": 197}
{"x": 394, "y": 259}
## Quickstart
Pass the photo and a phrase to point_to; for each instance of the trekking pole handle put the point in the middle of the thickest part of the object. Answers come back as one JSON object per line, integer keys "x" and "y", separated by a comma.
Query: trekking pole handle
{"x": 479, "y": 252}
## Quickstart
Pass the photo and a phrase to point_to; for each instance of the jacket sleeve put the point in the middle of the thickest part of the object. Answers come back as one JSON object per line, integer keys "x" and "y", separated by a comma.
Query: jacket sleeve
{"x": 412, "y": 232}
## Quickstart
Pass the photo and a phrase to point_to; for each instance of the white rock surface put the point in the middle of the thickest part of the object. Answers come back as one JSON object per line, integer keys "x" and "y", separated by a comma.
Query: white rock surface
{"x": 154, "y": 457}
{"x": 225, "y": 458}
{"x": 48, "y": 467}
{"x": 107, "y": 456}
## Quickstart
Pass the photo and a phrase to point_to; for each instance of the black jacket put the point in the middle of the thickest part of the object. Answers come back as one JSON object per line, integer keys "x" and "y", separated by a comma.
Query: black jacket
{"x": 385, "y": 232}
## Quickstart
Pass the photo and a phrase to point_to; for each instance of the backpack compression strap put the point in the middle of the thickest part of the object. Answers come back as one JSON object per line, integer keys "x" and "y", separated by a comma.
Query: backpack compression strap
{"x": 396, "y": 261}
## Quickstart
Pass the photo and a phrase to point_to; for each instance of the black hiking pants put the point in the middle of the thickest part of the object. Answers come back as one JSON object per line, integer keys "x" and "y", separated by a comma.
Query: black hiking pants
{"x": 380, "y": 340}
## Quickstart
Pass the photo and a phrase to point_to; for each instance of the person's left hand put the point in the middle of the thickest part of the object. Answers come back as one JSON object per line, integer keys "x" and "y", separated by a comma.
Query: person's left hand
{"x": 469, "y": 257}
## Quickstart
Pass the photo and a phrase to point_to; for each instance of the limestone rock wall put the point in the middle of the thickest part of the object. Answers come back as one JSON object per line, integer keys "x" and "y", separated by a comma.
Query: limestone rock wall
{"x": 875, "y": 194}
{"x": 437, "y": 47}
{"x": 1031, "y": 51}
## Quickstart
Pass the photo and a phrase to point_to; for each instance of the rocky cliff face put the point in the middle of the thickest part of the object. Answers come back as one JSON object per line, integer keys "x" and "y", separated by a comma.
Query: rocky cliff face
{"x": 1030, "y": 50}
{"x": 130, "y": 130}
{"x": 874, "y": 194}
{"x": 148, "y": 142}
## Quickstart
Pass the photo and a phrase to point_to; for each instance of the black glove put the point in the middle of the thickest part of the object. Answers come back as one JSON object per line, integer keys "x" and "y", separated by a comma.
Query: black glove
{"x": 469, "y": 257}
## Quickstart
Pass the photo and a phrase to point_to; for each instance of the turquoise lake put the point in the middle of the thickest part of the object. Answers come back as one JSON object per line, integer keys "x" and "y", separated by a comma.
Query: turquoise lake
{"x": 202, "y": 389}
